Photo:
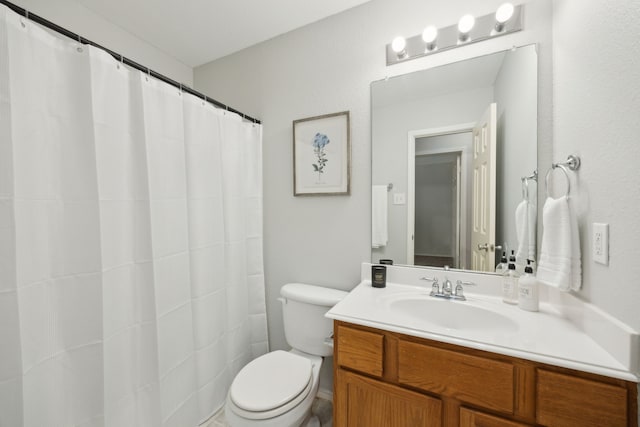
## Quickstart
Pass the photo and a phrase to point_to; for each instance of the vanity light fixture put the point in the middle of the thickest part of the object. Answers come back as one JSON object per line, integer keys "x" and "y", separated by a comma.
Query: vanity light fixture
{"x": 469, "y": 29}
{"x": 399, "y": 45}
{"x": 429, "y": 37}
{"x": 465, "y": 25}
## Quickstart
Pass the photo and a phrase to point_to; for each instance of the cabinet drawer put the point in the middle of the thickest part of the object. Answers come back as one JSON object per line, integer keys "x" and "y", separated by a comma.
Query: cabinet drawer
{"x": 360, "y": 350}
{"x": 476, "y": 380}
{"x": 566, "y": 401}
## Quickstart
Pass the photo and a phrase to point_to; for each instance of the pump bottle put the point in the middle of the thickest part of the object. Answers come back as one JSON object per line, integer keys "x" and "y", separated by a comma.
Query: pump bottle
{"x": 528, "y": 289}
{"x": 510, "y": 282}
{"x": 502, "y": 267}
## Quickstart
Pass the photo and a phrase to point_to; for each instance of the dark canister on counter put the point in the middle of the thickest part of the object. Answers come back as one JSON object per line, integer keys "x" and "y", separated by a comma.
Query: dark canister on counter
{"x": 378, "y": 276}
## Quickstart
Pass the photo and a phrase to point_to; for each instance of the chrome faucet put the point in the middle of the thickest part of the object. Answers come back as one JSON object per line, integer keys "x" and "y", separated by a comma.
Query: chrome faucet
{"x": 447, "y": 287}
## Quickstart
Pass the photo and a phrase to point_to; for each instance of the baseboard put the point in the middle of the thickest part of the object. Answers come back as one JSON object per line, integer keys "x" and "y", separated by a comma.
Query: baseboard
{"x": 325, "y": 394}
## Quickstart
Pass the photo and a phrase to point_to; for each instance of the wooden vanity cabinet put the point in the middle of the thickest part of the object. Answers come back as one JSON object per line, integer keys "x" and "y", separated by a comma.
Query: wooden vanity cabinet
{"x": 386, "y": 379}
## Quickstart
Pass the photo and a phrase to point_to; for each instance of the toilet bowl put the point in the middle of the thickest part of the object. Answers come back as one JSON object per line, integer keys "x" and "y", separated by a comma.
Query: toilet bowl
{"x": 277, "y": 389}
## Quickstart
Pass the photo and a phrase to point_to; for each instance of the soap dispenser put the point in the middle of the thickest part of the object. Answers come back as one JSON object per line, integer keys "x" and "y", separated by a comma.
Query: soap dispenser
{"x": 528, "y": 289}
{"x": 510, "y": 282}
{"x": 502, "y": 267}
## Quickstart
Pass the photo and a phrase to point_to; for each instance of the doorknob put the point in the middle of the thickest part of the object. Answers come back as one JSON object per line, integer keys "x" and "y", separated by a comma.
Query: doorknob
{"x": 484, "y": 247}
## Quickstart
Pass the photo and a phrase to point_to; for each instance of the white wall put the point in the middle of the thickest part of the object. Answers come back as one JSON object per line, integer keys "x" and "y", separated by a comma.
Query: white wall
{"x": 596, "y": 116}
{"x": 80, "y": 20}
{"x": 327, "y": 67}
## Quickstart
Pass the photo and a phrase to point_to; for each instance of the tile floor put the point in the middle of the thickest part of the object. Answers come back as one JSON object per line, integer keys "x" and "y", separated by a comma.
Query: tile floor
{"x": 322, "y": 408}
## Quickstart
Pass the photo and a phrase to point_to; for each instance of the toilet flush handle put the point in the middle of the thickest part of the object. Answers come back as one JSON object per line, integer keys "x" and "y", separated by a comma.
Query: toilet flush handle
{"x": 329, "y": 340}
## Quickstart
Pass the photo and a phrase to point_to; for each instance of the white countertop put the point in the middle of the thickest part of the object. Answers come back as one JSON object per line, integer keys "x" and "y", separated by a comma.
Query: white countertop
{"x": 545, "y": 336}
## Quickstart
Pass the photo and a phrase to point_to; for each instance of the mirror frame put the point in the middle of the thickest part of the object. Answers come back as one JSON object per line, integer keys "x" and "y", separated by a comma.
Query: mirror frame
{"x": 534, "y": 47}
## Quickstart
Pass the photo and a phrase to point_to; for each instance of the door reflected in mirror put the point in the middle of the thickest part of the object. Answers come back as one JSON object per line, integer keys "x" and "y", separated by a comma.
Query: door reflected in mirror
{"x": 454, "y": 143}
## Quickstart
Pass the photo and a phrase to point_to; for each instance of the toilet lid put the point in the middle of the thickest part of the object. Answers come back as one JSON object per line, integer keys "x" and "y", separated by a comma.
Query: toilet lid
{"x": 271, "y": 381}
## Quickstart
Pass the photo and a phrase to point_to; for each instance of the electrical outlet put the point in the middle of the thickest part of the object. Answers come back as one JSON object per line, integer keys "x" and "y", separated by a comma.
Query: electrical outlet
{"x": 601, "y": 243}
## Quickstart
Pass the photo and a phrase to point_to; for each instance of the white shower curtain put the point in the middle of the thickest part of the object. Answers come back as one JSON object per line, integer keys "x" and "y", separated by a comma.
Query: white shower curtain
{"x": 131, "y": 274}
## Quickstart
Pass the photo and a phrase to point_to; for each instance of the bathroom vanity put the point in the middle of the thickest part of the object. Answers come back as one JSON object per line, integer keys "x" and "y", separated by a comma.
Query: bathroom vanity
{"x": 397, "y": 366}
{"x": 384, "y": 378}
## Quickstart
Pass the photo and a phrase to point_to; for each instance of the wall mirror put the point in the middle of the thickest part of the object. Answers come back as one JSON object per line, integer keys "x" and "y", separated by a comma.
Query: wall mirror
{"x": 450, "y": 148}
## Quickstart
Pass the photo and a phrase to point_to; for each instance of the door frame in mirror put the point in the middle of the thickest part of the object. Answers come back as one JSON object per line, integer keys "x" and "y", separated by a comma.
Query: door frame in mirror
{"x": 411, "y": 173}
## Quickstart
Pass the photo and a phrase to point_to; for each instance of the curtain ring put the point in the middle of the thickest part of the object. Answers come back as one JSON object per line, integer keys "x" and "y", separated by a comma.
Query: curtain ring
{"x": 566, "y": 174}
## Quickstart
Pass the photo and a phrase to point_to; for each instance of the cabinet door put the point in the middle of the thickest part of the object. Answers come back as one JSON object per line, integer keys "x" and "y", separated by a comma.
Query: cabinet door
{"x": 365, "y": 402}
{"x": 470, "y": 418}
{"x": 566, "y": 401}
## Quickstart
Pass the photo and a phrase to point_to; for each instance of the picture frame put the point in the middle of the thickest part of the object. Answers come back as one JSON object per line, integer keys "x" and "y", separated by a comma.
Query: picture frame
{"x": 322, "y": 155}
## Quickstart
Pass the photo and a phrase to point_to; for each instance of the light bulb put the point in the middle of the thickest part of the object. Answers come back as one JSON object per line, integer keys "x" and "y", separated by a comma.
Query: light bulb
{"x": 430, "y": 34}
{"x": 504, "y": 13}
{"x": 398, "y": 44}
{"x": 466, "y": 23}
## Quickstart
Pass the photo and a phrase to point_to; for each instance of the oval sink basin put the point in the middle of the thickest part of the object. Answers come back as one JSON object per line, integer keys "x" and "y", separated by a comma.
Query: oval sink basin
{"x": 453, "y": 314}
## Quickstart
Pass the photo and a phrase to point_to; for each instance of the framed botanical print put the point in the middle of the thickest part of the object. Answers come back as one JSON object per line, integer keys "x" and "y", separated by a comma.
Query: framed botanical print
{"x": 322, "y": 155}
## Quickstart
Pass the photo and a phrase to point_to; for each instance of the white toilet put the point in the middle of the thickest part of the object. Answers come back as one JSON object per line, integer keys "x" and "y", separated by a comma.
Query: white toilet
{"x": 278, "y": 388}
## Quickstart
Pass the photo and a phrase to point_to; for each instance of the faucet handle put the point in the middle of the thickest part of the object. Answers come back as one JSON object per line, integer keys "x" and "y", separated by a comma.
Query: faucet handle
{"x": 460, "y": 289}
{"x": 435, "y": 288}
{"x": 460, "y": 283}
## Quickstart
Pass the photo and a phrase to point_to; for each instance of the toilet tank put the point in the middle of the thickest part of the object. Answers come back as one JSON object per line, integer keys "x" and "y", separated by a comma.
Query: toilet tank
{"x": 303, "y": 310}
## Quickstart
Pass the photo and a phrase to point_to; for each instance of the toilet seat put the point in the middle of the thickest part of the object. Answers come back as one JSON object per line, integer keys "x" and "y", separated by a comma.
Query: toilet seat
{"x": 271, "y": 385}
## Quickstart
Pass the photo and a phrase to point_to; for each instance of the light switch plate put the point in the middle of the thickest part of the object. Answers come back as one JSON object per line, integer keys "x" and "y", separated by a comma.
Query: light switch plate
{"x": 399, "y": 199}
{"x": 601, "y": 243}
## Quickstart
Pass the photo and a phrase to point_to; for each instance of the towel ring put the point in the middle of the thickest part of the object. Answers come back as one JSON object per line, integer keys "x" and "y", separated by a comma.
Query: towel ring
{"x": 525, "y": 183}
{"x": 566, "y": 174}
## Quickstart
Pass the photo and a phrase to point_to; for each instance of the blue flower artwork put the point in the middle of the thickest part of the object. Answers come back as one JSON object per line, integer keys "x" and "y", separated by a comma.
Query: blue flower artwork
{"x": 319, "y": 142}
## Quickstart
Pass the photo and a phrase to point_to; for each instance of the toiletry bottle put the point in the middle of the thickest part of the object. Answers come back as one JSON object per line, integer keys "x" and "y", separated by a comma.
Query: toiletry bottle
{"x": 528, "y": 289}
{"x": 510, "y": 282}
{"x": 502, "y": 267}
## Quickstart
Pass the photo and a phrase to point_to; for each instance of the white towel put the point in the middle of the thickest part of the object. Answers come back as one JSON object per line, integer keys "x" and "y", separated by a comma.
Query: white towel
{"x": 526, "y": 232}
{"x": 379, "y": 233}
{"x": 560, "y": 264}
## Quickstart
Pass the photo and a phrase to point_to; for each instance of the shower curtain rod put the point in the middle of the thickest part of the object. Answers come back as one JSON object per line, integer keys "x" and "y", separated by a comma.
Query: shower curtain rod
{"x": 70, "y": 34}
